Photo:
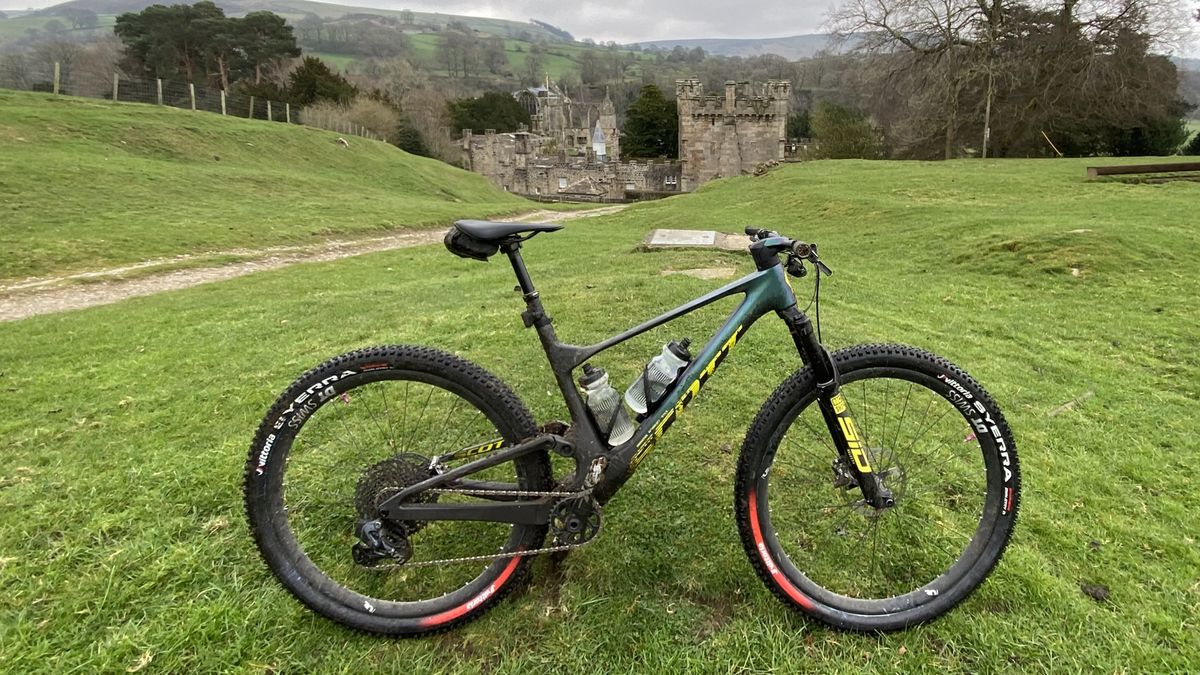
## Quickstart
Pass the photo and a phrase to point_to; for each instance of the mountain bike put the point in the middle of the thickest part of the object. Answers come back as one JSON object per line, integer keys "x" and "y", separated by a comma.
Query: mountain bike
{"x": 403, "y": 490}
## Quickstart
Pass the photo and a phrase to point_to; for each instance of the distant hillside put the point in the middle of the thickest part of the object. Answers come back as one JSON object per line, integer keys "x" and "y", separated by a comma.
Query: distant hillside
{"x": 792, "y": 47}
{"x": 300, "y": 8}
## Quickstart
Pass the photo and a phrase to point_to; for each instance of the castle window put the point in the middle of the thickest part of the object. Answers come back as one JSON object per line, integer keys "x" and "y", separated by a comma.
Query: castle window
{"x": 562, "y": 183}
{"x": 671, "y": 181}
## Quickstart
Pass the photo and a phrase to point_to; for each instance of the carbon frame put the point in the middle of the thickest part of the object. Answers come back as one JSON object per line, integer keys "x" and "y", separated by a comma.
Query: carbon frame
{"x": 606, "y": 469}
{"x": 765, "y": 291}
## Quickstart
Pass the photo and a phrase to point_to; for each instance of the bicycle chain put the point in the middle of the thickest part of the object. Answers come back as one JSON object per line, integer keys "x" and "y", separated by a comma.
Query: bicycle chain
{"x": 492, "y": 556}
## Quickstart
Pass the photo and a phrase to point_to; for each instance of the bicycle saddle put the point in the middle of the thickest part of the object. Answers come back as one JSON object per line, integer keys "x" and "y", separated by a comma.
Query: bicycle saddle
{"x": 493, "y": 232}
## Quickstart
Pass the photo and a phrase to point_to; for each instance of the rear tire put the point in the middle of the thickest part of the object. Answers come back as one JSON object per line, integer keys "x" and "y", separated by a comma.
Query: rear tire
{"x": 343, "y": 434}
{"x": 800, "y": 523}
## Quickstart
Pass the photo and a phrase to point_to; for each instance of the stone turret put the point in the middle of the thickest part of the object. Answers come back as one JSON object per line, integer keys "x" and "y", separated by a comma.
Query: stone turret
{"x": 730, "y": 135}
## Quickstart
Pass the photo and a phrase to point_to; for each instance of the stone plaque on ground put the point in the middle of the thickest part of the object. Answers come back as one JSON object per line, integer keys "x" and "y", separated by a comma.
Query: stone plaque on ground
{"x": 704, "y": 238}
{"x": 695, "y": 239}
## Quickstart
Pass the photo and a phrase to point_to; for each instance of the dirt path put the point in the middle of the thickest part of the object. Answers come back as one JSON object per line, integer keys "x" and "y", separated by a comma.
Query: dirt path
{"x": 31, "y": 297}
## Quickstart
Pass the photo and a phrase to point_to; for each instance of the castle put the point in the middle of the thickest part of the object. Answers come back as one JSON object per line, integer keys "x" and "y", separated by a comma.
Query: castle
{"x": 573, "y": 151}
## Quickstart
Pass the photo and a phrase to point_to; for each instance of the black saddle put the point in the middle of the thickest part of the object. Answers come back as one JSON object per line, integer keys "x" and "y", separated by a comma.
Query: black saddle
{"x": 480, "y": 239}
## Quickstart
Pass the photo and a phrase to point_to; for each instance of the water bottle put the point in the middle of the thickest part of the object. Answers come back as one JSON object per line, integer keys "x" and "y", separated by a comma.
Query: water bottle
{"x": 658, "y": 376}
{"x": 605, "y": 404}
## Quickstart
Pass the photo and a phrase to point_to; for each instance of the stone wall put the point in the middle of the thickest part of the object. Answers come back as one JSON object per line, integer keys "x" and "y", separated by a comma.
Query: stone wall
{"x": 730, "y": 135}
{"x": 718, "y": 137}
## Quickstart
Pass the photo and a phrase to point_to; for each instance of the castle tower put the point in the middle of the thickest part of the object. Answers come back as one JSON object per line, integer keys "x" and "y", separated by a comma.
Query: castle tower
{"x": 730, "y": 135}
{"x": 608, "y": 122}
{"x": 598, "y": 144}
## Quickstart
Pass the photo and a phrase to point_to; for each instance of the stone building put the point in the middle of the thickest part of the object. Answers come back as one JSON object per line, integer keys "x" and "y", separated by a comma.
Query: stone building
{"x": 730, "y": 135}
{"x": 572, "y": 150}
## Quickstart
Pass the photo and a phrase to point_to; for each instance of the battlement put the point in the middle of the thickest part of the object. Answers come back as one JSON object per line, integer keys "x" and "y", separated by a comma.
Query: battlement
{"x": 739, "y": 99}
{"x": 730, "y": 134}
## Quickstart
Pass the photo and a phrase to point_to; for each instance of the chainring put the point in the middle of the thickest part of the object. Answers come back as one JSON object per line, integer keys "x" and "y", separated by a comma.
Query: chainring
{"x": 382, "y": 480}
{"x": 575, "y": 520}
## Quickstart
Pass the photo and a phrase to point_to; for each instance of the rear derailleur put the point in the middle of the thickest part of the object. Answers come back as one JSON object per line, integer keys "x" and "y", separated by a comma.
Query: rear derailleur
{"x": 377, "y": 542}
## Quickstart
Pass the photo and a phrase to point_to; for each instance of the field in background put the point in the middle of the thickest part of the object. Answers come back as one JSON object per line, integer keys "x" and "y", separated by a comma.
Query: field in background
{"x": 126, "y": 426}
{"x": 92, "y": 184}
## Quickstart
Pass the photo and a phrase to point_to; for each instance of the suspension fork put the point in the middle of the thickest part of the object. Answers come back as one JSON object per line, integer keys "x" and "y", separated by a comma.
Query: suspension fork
{"x": 838, "y": 418}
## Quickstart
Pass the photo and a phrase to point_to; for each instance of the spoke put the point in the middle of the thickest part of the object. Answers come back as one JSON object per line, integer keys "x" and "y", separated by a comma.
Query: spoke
{"x": 926, "y": 429}
{"x": 373, "y": 417}
{"x": 900, "y": 419}
{"x": 387, "y": 411}
{"x": 819, "y": 437}
{"x": 921, "y": 523}
{"x": 404, "y": 416}
{"x": 417, "y": 425}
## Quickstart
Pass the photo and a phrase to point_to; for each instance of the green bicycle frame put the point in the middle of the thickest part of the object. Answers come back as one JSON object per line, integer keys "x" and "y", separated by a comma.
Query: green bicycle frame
{"x": 606, "y": 469}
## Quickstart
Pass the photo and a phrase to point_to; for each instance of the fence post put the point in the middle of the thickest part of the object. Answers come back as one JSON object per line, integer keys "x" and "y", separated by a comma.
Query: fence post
{"x": 192, "y": 94}
{"x": 116, "y": 79}
{"x": 222, "y": 101}
{"x": 251, "y": 115}
{"x": 159, "y": 86}
{"x": 287, "y": 111}
{"x": 57, "y": 74}
{"x": 270, "y": 117}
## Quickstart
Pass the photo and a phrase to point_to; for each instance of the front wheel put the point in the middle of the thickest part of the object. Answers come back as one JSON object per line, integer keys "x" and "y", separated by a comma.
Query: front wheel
{"x": 937, "y": 442}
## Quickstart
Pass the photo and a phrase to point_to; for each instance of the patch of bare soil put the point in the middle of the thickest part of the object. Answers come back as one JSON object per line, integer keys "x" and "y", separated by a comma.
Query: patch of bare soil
{"x": 46, "y": 295}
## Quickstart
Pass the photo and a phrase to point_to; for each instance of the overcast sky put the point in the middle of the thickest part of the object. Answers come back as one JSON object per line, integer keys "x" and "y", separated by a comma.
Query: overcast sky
{"x": 630, "y": 20}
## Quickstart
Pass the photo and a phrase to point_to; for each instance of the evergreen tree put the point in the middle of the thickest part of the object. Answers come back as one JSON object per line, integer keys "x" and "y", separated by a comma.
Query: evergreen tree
{"x": 313, "y": 81}
{"x": 651, "y": 126}
{"x": 494, "y": 110}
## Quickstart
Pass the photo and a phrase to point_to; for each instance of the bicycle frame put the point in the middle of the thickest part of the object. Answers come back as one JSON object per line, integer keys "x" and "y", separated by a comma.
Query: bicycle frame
{"x": 606, "y": 469}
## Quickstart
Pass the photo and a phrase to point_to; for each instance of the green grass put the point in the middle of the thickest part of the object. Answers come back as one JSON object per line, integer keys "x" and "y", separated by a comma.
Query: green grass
{"x": 126, "y": 426}
{"x": 88, "y": 184}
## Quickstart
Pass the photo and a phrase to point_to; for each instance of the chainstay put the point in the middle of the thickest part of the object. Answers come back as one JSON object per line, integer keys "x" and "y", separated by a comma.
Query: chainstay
{"x": 492, "y": 556}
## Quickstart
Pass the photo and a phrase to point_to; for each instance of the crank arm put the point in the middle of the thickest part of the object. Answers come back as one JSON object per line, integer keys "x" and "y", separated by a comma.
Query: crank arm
{"x": 529, "y": 512}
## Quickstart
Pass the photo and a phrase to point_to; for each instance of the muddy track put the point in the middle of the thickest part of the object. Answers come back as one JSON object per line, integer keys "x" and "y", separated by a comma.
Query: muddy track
{"x": 46, "y": 295}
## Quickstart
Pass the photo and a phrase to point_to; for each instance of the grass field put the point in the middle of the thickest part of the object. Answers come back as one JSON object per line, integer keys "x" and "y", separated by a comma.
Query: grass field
{"x": 90, "y": 184}
{"x": 123, "y": 540}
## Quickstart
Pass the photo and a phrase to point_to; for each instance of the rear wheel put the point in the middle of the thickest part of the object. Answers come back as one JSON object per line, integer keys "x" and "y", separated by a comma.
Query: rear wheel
{"x": 938, "y": 443}
{"x": 351, "y": 433}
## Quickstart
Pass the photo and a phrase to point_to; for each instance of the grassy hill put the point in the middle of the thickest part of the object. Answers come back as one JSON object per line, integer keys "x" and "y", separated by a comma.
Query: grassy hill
{"x": 294, "y": 9}
{"x": 90, "y": 184}
{"x": 126, "y": 427}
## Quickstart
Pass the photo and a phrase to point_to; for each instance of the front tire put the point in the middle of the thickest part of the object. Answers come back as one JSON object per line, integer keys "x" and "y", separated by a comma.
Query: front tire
{"x": 353, "y": 431}
{"x": 938, "y": 442}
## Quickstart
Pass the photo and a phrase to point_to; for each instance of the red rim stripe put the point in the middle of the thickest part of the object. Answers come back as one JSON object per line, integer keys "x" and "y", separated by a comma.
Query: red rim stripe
{"x": 452, "y": 614}
{"x": 780, "y": 579}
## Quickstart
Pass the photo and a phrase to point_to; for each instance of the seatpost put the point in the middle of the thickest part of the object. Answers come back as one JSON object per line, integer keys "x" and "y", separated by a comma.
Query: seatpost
{"x": 534, "y": 314}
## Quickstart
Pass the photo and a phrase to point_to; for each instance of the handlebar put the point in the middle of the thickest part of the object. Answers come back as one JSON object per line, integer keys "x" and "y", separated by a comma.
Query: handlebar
{"x": 794, "y": 248}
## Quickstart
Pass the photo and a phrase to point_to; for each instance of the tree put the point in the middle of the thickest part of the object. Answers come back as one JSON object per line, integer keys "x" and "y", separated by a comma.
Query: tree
{"x": 54, "y": 27}
{"x": 168, "y": 41}
{"x": 312, "y": 80}
{"x": 1193, "y": 146}
{"x": 266, "y": 37}
{"x": 493, "y": 110}
{"x": 844, "y": 133}
{"x": 494, "y": 57}
{"x": 535, "y": 66}
{"x": 80, "y": 17}
{"x": 799, "y": 125}
{"x": 651, "y": 126}
{"x": 407, "y": 17}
